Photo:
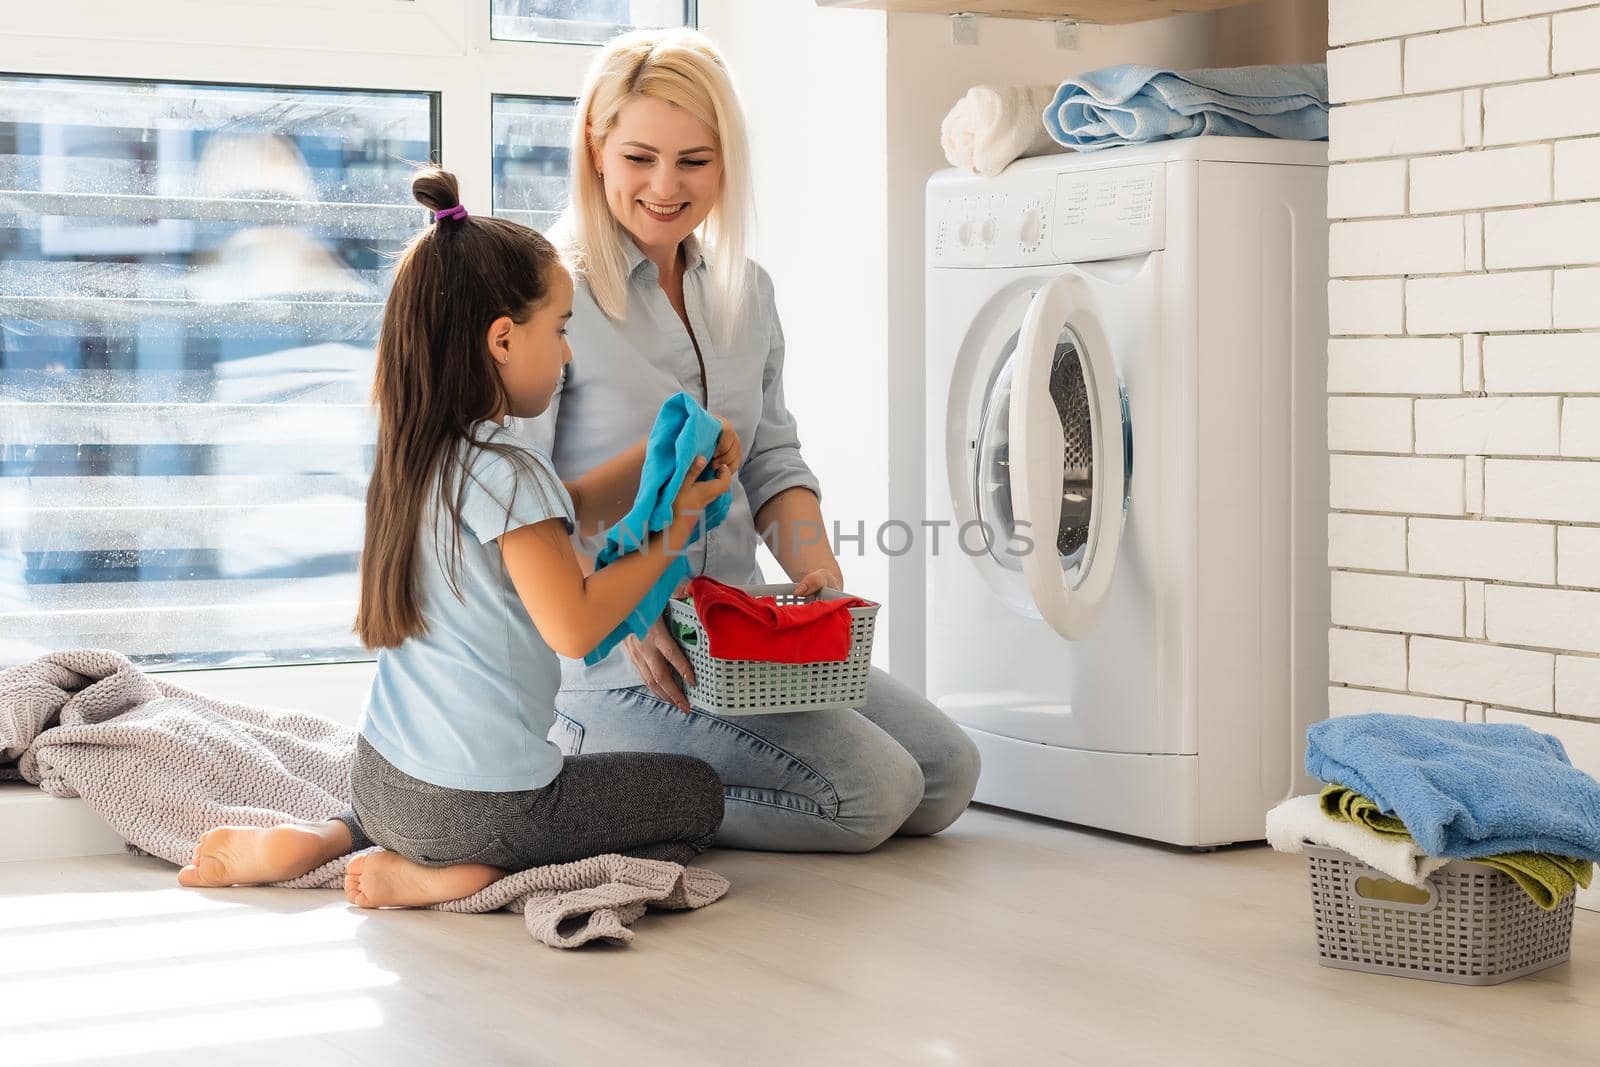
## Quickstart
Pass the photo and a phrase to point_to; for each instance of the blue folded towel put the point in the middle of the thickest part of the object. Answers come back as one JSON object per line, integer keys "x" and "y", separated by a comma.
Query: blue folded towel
{"x": 1464, "y": 790}
{"x": 1132, "y": 104}
{"x": 683, "y": 430}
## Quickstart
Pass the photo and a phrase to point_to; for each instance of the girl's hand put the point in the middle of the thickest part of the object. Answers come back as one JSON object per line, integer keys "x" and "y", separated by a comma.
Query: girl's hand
{"x": 695, "y": 496}
{"x": 816, "y": 581}
{"x": 729, "y": 450}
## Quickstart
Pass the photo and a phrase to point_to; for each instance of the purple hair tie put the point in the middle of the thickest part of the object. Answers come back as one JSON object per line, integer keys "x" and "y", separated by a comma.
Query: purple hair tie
{"x": 457, "y": 212}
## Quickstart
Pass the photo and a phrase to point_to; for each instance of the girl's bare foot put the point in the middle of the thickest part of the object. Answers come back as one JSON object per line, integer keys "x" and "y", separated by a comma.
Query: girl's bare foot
{"x": 253, "y": 855}
{"x": 389, "y": 880}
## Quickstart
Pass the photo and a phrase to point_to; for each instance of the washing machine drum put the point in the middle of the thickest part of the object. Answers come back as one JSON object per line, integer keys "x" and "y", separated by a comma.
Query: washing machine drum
{"x": 1070, "y": 395}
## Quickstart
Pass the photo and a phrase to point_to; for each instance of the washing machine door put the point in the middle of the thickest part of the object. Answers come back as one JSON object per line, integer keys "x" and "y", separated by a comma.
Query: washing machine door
{"x": 1071, "y": 455}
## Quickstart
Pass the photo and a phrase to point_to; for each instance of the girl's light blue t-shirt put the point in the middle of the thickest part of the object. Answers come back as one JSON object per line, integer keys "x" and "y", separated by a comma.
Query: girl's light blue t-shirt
{"x": 467, "y": 704}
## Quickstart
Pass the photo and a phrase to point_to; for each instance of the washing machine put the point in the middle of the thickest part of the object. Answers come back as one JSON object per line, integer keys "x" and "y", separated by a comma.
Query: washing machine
{"x": 1127, "y": 462}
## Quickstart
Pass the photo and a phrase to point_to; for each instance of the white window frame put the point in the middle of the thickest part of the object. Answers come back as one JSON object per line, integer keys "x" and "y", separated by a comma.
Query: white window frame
{"x": 434, "y": 46}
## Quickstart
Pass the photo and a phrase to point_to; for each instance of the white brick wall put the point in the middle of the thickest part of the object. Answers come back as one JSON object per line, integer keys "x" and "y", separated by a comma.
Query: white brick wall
{"x": 1365, "y": 20}
{"x": 1578, "y": 548}
{"x": 1364, "y": 72}
{"x": 1464, "y": 366}
{"x": 1369, "y": 423}
{"x": 1411, "y": 365}
{"x": 1429, "y": 245}
{"x": 1479, "y": 303}
{"x": 1577, "y": 168}
{"x": 1534, "y": 237}
{"x": 1388, "y": 602}
{"x": 1576, "y": 44}
{"x": 1576, "y": 302}
{"x": 1539, "y": 110}
{"x": 1404, "y": 127}
{"x": 1492, "y": 425}
{"x": 1520, "y": 175}
{"x": 1508, "y": 52}
{"x": 1356, "y": 307}
{"x": 1348, "y": 700}
{"x": 1494, "y": 551}
{"x": 1379, "y": 188}
{"x": 1513, "y": 677}
{"x": 1548, "y": 363}
{"x": 1371, "y": 542}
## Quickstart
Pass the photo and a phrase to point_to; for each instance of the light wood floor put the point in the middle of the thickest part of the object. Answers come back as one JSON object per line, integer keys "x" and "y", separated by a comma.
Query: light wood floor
{"x": 1007, "y": 940}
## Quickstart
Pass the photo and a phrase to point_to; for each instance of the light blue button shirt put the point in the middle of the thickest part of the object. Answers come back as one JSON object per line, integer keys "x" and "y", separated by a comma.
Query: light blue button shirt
{"x": 467, "y": 704}
{"x": 622, "y": 372}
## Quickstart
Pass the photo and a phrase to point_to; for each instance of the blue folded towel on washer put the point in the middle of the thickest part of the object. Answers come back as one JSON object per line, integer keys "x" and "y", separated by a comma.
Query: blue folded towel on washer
{"x": 682, "y": 432}
{"x": 1464, "y": 790}
{"x": 1133, "y": 104}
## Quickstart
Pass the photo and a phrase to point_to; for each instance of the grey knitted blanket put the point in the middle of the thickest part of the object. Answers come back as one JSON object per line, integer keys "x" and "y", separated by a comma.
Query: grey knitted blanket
{"x": 163, "y": 764}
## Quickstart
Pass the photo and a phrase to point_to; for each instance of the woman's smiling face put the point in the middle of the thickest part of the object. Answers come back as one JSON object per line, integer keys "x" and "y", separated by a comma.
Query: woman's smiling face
{"x": 661, "y": 169}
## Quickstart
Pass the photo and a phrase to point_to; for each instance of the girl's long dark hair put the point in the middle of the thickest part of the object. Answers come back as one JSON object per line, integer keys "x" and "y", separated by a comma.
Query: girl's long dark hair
{"x": 434, "y": 380}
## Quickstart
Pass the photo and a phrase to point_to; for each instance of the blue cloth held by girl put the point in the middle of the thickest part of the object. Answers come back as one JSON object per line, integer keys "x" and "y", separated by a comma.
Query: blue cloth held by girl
{"x": 683, "y": 431}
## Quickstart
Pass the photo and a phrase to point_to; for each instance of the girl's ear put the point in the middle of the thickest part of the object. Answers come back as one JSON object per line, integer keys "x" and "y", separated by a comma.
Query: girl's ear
{"x": 499, "y": 339}
{"x": 594, "y": 150}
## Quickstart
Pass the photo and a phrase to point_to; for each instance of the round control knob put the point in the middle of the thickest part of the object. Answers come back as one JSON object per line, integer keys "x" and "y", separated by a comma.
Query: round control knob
{"x": 989, "y": 230}
{"x": 964, "y": 233}
{"x": 1031, "y": 227}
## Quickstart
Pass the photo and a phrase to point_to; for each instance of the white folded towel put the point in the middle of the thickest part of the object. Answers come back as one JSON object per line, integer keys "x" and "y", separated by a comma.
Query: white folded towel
{"x": 1301, "y": 819}
{"x": 991, "y": 126}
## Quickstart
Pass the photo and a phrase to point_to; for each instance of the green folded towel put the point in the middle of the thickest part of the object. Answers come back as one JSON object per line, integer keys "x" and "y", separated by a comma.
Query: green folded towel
{"x": 1545, "y": 877}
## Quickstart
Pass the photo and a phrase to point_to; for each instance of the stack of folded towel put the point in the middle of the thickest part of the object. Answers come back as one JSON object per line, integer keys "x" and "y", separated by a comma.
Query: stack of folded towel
{"x": 1406, "y": 795}
{"x": 1133, "y": 104}
{"x": 991, "y": 126}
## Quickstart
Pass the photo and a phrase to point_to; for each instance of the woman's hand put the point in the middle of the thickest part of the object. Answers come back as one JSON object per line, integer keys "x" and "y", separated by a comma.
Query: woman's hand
{"x": 818, "y": 580}
{"x": 729, "y": 451}
{"x": 656, "y": 656}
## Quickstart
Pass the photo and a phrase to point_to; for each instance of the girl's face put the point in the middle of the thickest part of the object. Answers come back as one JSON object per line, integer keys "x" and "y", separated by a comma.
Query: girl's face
{"x": 529, "y": 355}
{"x": 661, "y": 170}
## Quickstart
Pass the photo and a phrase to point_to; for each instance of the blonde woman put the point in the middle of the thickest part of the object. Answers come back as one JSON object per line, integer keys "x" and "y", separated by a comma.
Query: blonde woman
{"x": 666, "y": 300}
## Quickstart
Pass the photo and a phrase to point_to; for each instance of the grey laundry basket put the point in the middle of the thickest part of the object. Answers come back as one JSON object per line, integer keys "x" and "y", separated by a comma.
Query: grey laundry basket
{"x": 1476, "y": 927}
{"x": 756, "y": 687}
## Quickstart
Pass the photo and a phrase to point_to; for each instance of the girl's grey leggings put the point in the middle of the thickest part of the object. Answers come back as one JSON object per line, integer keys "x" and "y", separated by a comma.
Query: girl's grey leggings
{"x": 652, "y": 805}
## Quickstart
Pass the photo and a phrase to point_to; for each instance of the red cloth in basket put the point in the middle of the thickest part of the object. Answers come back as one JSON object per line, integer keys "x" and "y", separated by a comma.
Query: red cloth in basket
{"x": 740, "y": 626}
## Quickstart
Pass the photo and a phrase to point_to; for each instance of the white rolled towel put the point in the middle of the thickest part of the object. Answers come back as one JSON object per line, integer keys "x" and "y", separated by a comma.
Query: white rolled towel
{"x": 1300, "y": 819}
{"x": 992, "y": 126}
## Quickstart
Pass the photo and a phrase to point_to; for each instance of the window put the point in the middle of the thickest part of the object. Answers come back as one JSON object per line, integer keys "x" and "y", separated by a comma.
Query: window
{"x": 585, "y": 21}
{"x": 191, "y": 277}
{"x": 198, "y": 209}
{"x": 531, "y": 150}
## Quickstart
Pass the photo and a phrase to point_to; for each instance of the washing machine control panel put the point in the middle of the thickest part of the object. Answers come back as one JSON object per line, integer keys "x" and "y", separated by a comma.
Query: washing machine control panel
{"x": 1049, "y": 217}
{"x": 1105, "y": 214}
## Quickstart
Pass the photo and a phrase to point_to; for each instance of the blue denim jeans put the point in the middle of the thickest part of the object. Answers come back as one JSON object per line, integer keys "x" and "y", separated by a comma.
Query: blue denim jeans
{"x": 808, "y": 781}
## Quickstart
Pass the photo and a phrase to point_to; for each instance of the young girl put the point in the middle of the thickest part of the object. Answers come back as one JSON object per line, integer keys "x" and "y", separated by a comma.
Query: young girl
{"x": 467, "y": 540}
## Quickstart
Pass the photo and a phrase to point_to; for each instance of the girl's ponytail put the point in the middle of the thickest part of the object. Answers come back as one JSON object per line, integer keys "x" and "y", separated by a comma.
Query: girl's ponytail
{"x": 435, "y": 189}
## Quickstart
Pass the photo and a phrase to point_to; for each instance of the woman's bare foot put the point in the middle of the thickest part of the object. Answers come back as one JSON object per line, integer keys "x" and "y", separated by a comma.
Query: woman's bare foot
{"x": 389, "y": 880}
{"x": 253, "y": 855}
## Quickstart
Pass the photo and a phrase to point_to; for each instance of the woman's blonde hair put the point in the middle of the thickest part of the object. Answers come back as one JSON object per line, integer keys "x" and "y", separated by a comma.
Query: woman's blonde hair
{"x": 681, "y": 67}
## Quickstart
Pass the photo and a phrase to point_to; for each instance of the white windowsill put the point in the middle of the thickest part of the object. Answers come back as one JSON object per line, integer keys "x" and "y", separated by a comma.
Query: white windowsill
{"x": 335, "y": 691}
